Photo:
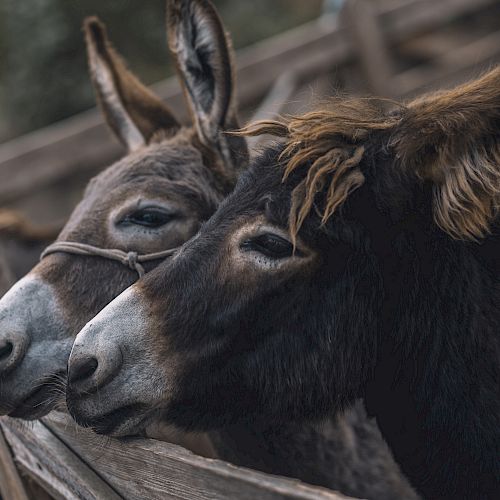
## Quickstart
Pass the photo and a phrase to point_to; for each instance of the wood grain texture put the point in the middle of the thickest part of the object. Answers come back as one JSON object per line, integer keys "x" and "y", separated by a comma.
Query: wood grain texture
{"x": 366, "y": 32}
{"x": 11, "y": 484}
{"x": 140, "y": 468}
{"x": 52, "y": 464}
{"x": 451, "y": 68}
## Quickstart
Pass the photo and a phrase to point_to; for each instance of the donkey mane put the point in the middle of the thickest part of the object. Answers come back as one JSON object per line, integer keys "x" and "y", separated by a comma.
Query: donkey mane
{"x": 329, "y": 146}
{"x": 429, "y": 138}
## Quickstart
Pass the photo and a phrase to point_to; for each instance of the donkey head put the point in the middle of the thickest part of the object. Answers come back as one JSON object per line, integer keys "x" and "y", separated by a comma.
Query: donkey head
{"x": 155, "y": 198}
{"x": 283, "y": 290}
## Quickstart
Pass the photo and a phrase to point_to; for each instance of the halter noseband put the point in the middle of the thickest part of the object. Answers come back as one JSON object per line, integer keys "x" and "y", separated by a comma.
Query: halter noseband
{"x": 132, "y": 260}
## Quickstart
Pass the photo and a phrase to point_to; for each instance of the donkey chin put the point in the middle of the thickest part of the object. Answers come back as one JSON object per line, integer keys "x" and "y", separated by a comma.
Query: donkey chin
{"x": 116, "y": 415}
{"x": 32, "y": 370}
{"x": 128, "y": 420}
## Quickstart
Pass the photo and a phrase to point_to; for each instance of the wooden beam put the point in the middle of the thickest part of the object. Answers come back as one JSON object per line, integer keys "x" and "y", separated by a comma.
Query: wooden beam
{"x": 273, "y": 104}
{"x": 365, "y": 31}
{"x": 11, "y": 484}
{"x": 430, "y": 45}
{"x": 404, "y": 19}
{"x": 52, "y": 464}
{"x": 451, "y": 67}
{"x": 145, "y": 468}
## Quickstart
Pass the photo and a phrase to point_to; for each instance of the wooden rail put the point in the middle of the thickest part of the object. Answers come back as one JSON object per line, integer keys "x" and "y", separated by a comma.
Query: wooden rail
{"x": 11, "y": 484}
{"x": 74, "y": 463}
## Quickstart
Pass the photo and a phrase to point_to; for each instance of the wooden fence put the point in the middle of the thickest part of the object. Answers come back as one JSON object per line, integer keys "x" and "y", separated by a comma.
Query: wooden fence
{"x": 71, "y": 463}
{"x": 391, "y": 48}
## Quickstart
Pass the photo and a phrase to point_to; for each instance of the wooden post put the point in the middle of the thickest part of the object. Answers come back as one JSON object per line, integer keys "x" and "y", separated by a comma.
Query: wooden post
{"x": 272, "y": 104}
{"x": 52, "y": 465}
{"x": 11, "y": 484}
{"x": 360, "y": 17}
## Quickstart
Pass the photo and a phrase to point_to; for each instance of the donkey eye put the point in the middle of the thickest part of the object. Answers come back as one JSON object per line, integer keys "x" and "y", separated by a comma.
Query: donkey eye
{"x": 270, "y": 245}
{"x": 148, "y": 217}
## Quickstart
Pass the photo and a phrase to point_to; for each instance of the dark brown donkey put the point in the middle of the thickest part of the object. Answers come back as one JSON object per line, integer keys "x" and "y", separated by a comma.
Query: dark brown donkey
{"x": 155, "y": 199}
{"x": 360, "y": 259}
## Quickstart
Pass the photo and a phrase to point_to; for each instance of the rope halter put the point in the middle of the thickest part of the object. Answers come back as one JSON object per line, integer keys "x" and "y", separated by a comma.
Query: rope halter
{"x": 132, "y": 260}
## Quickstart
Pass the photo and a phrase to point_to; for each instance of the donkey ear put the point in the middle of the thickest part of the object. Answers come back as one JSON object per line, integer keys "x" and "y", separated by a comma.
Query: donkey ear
{"x": 131, "y": 110}
{"x": 203, "y": 56}
{"x": 452, "y": 139}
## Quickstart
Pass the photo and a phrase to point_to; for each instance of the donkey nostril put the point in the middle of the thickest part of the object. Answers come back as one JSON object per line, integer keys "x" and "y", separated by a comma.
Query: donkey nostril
{"x": 83, "y": 370}
{"x": 6, "y": 350}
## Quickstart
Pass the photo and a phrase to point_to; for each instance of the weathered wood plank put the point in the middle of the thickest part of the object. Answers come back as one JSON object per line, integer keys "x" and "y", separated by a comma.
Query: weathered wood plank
{"x": 11, "y": 484}
{"x": 430, "y": 45}
{"x": 7, "y": 278}
{"x": 273, "y": 104}
{"x": 139, "y": 468}
{"x": 404, "y": 19}
{"x": 365, "y": 31}
{"x": 447, "y": 69}
{"x": 54, "y": 466}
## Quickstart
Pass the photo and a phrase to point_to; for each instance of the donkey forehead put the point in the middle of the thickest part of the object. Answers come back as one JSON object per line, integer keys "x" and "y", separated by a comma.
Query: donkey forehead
{"x": 168, "y": 161}
{"x": 262, "y": 186}
{"x": 172, "y": 171}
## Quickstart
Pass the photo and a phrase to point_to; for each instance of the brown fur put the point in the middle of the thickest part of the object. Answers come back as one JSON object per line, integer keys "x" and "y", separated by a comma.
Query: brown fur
{"x": 206, "y": 83}
{"x": 393, "y": 311}
{"x": 450, "y": 138}
{"x": 168, "y": 166}
{"x": 330, "y": 143}
{"x": 148, "y": 112}
{"x": 447, "y": 138}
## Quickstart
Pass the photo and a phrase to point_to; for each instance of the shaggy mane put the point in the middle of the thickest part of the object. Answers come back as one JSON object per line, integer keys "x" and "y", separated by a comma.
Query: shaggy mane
{"x": 330, "y": 144}
{"x": 450, "y": 138}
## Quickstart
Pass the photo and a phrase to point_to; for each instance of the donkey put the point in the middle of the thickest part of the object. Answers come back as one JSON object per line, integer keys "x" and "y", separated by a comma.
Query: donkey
{"x": 155, "y": 199}
{"x": 358, "y": 259}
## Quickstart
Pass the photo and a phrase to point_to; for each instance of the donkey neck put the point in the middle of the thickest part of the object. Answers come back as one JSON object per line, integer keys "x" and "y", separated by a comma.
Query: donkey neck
{"x": 435, "y": 385}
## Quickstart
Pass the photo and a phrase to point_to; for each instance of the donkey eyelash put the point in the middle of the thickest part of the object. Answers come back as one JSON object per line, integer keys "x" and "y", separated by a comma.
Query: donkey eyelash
{"x": 148, "y": 217}
{"x": 271, "y": 245}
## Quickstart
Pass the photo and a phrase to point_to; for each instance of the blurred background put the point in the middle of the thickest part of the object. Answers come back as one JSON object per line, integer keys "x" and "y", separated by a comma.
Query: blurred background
{"x": 43, "y": 71}
{"x": 290, "y": 54}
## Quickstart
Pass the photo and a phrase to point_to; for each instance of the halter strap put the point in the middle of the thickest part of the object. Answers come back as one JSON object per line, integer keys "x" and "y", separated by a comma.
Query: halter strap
{"x": 131, "y": 259}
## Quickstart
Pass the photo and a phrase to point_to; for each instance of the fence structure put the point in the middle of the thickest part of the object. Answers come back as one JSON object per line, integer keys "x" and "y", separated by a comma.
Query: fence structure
{"x": 392, "y": 48}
